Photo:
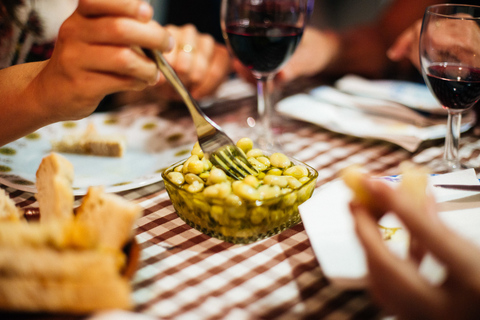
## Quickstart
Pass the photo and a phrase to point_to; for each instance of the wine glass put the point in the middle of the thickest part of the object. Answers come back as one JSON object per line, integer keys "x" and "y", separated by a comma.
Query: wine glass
{"x": 450, "y": 60}
{"x": 263, "y": 35}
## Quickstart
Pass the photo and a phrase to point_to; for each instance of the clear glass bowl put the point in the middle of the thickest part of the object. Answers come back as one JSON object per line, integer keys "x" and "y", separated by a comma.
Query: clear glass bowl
{"x": 247, "y": 223}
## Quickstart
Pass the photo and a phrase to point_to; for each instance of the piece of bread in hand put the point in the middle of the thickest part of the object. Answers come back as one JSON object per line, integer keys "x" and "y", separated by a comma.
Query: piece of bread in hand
{"x": 8, "y": 210}
{"x": 414, "y": 179}
{"x": 91, "y": 142}
{"x": 110, "y": 214}
{"x": 54, "y": 188}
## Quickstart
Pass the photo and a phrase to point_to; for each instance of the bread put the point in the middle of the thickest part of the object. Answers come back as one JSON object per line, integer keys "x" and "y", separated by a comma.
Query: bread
{"x": 54, "y": 188}
{"x": 55, "y": 235}
{"x": 110, "y": 214}
{"x": 414, "y": 180}
{"x": 91, "y": 142}
{"x": 8, "y": 210}
{"x": 65, "y": 262}
{"x": 46, "y": 263}
{"x": 352, "y": 176}
{"x": 31, "y": 295}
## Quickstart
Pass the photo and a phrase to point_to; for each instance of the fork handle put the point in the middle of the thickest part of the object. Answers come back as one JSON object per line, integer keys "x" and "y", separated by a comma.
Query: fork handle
{"x": 202, "y": 122}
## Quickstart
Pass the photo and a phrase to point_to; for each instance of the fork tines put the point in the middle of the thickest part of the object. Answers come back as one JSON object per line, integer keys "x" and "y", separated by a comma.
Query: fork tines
{"x": 234, "y": 162}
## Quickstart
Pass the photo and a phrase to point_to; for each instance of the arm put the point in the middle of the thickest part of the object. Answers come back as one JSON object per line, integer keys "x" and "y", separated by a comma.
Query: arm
{"x": 361, "y": 50}
{"x": 93, "y": 57}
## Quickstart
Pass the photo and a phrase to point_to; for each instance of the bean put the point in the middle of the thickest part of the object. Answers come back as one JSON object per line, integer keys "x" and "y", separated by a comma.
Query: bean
{"x": 268, "y": 192}
{"x": 245, "y": 191}
{"x": 296, "y": 171}
{"x": 190, "y": 178}
{"x": 190, "y": 159}
{"x": 280, "y": 181}
{"x": 264, "y": 160}
{"x": 280, "y": 160}
{"x": 196, "y": 166}
{"x": 197, "y": 150}
{"x": 293, "y": 182}
{"x": 257, "y": 164}
{"x": 246, "y": 144}
{"x": 252, "y": 181}
{"x": 195, "y": 187}
{"x": 176, "y": 177}
{"x": 254, "y": 153}
{"x": 217, "y": 176}
{"x": 275, "y": 172}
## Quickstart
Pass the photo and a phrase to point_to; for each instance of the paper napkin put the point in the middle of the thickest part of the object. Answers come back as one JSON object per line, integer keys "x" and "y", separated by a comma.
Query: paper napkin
{"x": 330, "y": 227}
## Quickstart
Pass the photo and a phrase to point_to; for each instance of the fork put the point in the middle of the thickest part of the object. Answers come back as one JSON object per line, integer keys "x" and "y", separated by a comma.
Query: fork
{"x": 215, "y": 144}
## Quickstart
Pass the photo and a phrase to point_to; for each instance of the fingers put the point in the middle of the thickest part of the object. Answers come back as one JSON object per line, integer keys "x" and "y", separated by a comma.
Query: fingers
{"x": 216, "y": 73}
{"x": 429, "y": 233}
{"x": 406, "y": 45}
{"x": 394, "y": 283}
{"x": 181, "y": 57}
{"x": 136, "y": 9}
{"x": 123, "y": 22}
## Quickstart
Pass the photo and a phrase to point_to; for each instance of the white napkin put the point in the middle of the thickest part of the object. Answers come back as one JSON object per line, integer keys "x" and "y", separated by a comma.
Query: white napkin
{"x": 366, "y": 117}
{"x": 330, "y": 227}
{"x": 415, "y": 95}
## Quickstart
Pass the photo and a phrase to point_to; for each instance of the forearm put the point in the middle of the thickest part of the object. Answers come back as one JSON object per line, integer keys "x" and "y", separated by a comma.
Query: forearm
{"x": 21, "y": 109}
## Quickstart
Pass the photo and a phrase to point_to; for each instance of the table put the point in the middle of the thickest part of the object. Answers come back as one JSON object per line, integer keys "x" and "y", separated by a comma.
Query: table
{"x": 184, "y": 274}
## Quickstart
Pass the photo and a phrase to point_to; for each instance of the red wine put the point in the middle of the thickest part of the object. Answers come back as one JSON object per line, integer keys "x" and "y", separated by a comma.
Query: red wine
{"x": 455, "y": 86}
{"x": 263, "y": 49}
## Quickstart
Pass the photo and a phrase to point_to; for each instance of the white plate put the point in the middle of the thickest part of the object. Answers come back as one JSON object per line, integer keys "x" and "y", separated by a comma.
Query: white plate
{"x": 149, "y": 150}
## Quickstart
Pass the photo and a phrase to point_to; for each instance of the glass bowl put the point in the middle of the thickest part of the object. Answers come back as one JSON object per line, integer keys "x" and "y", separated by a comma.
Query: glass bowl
{"x": 242, "y": 223}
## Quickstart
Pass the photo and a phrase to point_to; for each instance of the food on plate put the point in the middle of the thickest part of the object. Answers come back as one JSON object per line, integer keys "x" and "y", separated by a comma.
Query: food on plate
{"x": 67, "y": 264}
{"x": 91, "y": 142}
{"x": 240, "y": 211}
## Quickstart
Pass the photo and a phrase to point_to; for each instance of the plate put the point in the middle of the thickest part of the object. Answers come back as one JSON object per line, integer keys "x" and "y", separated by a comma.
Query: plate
{"x": 150, "y": 148}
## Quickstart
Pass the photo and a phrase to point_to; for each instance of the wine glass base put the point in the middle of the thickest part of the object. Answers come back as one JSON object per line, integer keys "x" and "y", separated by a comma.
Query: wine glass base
{"x": 270, "y": 146}
{"x": 444, "y": 166}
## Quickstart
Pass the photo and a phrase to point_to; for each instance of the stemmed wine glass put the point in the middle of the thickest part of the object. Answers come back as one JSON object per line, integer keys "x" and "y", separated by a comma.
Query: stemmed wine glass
{"x": 450, "y": 60}
{"x": 263, "y": 35}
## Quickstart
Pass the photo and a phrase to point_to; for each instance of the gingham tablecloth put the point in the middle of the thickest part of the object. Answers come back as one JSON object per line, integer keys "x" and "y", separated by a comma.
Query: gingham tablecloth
{"x": 184, "y": 274}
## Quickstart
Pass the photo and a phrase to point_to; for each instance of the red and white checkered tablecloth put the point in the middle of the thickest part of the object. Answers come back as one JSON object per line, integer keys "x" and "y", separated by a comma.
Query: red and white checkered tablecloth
{"x": 184, "y": 274}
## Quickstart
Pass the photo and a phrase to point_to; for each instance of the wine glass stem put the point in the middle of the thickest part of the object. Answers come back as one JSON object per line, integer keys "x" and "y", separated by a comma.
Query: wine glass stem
{"x": 452, "y": 138}
{"x": 265, "y": 138}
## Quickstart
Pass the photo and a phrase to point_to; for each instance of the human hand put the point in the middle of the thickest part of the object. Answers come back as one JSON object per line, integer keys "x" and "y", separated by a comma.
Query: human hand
{"x": 315, "y": 51}
{"x": 395, "y": 283}
{"x": 200, "y": 62}
{"x": 406, "y": 45}
{"x": 96, "y": 55}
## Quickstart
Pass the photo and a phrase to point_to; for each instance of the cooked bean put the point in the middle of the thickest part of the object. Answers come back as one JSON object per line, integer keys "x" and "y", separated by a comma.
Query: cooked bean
{"x": 195, "y": 187}
{"x": 217, "y": 176}
{"x": 254, "y": 153}
{"x": 246, "y": 144}
{"x": 280, "y": 181}
{"x": 197, "y": 150}
{"x": 296, "y": 171}
{"x": 176, "y": 177}
{"x": 257, "y": 164}
{"x": 190, "y": 178}
{"x": 280, "y": 160}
